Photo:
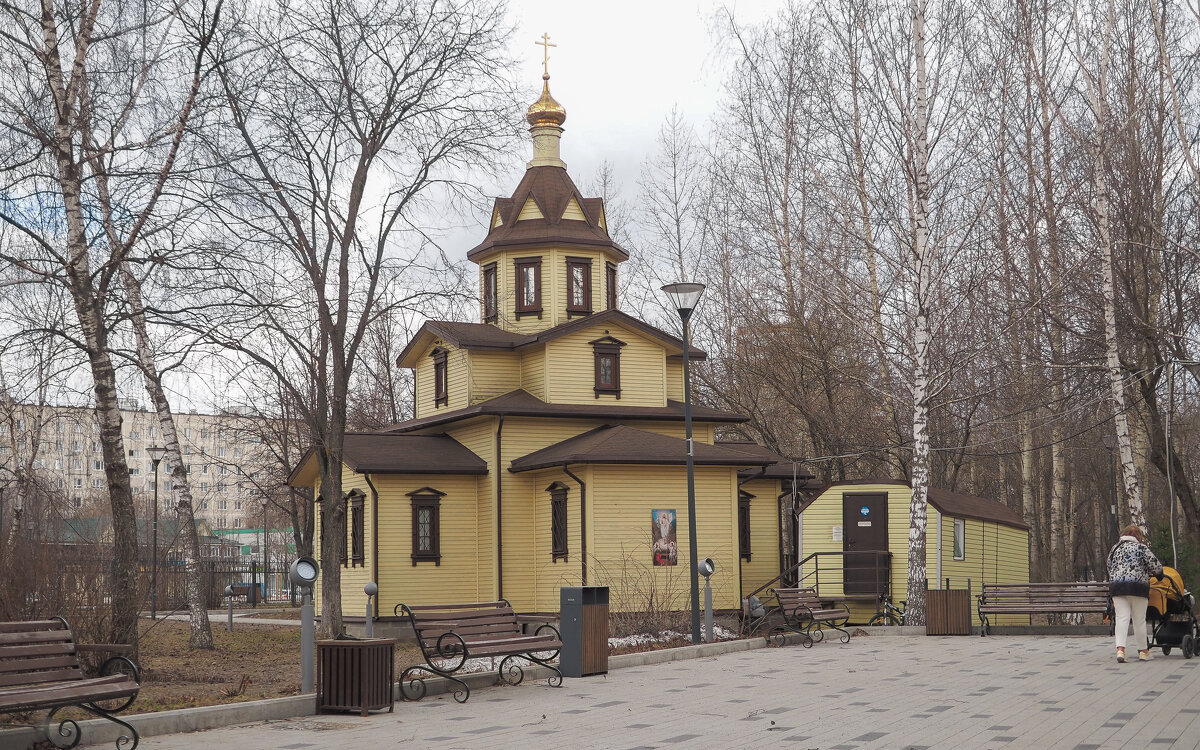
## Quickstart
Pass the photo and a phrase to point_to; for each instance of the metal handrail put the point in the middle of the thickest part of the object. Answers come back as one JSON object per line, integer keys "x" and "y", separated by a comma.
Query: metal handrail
{"x": 882, "y": 573}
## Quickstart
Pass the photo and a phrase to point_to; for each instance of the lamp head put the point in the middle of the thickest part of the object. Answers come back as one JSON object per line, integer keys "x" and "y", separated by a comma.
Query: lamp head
{"x": 684, "y": 296}
{"x": 371, "y": 589}
{"x": 1109, "y": 441}
{"x": 156, "y": 453}
{"x": 706, "y": 567}
{"x": 303, "y": 572}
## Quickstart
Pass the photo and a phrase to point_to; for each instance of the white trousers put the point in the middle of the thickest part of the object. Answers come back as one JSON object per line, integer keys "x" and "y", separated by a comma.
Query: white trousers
{"x": 1127, "y": 608}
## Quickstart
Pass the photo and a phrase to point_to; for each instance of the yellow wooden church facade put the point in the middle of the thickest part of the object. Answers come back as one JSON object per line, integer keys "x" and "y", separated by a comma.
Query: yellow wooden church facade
{"x": 547, "y": 447}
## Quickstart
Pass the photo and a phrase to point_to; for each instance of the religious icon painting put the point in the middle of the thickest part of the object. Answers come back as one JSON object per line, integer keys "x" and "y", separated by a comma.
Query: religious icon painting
{"x": 662, "y": 532}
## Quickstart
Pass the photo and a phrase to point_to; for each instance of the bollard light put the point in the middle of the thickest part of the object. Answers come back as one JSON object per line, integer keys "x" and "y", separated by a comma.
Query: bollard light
{"x": 371, "y": 590}
{"x": 303, "y": 574}
{"x": 229, "y": 598}
{"x": 706, "y": 568}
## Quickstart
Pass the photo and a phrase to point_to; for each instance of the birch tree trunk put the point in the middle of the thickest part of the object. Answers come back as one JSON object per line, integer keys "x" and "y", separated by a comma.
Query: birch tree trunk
{"x": 1098, "y": 99}
{"x": 201, "y": 631}
{"x": 922, "y": 257}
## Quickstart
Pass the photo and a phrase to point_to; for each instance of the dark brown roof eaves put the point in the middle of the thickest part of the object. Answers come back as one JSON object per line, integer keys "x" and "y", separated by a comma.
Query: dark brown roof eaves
{"x": 622, "y": 444}
{"x": 487, "y": 336}
{"x": 521, "y": 403}
{"x": 375, "y": 453}
{"x": 957, "y": 504}
{"x": 780, "y": 467}
{"x": 462, "y": 336}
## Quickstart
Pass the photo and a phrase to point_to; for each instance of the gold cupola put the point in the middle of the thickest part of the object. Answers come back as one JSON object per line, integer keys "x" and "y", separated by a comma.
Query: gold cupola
{"x": 545, "y": 118}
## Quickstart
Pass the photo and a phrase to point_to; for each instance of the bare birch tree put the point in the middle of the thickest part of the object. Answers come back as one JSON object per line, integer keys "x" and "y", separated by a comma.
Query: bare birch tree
{"x": 81, "y": 133}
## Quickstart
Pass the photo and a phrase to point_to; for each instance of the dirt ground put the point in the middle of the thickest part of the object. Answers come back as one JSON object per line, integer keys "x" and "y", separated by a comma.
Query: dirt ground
{"x": 253, "y": 662}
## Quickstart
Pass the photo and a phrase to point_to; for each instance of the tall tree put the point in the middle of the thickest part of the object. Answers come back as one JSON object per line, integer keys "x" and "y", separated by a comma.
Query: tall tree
{"x": 94, "y": 108}
{"x": 345, "y": 115}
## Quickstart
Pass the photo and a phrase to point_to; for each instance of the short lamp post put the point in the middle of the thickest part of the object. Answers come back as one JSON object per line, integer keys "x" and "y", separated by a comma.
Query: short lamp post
{"x": 156, "y": 454}
{"x": 685, "y": 296}
{"x": 303, "y": 575}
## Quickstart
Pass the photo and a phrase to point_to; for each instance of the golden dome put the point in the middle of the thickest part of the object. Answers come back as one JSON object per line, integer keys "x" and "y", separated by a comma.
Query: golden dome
{"x": 546, "y": 111}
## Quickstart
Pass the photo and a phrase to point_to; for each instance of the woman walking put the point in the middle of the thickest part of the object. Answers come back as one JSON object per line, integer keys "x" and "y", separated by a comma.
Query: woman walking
{"x": 1130, "y": 565}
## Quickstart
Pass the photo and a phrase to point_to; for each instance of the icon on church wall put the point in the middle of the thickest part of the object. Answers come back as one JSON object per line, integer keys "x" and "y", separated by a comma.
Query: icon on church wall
{"x": 666, "y": 551}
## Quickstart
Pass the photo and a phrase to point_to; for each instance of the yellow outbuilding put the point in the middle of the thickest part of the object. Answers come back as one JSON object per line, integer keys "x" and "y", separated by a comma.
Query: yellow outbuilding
{"x": 547, "y": 447}
{"x": 853, "y": 543}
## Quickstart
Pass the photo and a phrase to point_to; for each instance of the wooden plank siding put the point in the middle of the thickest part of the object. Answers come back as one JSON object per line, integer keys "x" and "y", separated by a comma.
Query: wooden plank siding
{"x": 764, "y": 534}
{"x": 549, "y": 574}
{"x": 620, "y": 501}
{"x": 533, "y": 371}
{"x": 994, "y": 553}
{"x": 674, "y": 379}
{"x": 492, "y": 374}
{"x": 458, "y": 368}
{"x": 456, "y": 577}
{"x": 479, "y": 437}
{"x": 572, "y": 377}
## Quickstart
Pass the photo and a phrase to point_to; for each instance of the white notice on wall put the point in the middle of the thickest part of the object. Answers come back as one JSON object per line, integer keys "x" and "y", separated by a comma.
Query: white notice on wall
{"x": 864, "y": 523}
{"x": 837, "y": 533}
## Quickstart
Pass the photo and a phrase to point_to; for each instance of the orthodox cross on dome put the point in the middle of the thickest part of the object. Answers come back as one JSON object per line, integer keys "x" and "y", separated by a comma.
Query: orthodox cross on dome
{"x": 545, "y": 44}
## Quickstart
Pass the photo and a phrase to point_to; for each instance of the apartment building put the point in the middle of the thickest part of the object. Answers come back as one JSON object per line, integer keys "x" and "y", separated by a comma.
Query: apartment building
{"x": 59, "y": 447}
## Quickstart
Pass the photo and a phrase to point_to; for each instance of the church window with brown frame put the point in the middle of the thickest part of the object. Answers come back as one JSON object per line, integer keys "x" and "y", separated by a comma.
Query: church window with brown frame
{"x": 441, "y": 379}
{"x": 426, "y": 525}
{"x": 490, "y": 294}
{"x": 558, "y": 520}
{"x": 610, "y": 284}
{"x": 529, "y": 287}
{"x": 744, "y": 525}
{"x": 579, "y": 286}
{"x": 357, "y": 518}
{"x": 606, "y": 353}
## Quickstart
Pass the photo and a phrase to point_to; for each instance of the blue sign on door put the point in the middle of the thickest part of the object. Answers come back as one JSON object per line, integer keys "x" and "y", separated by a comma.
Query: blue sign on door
{"x": 865, "y": 510}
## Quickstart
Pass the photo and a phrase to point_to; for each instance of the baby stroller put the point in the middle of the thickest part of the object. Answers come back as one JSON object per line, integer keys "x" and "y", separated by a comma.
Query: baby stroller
{"x": 1170, "y": 617}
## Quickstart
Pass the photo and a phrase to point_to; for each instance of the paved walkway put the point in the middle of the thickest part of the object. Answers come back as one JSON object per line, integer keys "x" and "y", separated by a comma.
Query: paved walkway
{"x": 1044, "y": 692}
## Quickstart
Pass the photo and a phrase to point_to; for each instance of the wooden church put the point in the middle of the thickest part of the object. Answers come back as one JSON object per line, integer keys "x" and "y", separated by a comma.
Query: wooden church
{"x": 548, "y": 444}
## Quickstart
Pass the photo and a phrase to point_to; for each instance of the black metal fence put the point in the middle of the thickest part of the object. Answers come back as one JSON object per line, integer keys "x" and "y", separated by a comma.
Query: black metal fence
{"x": 255, "y": 583}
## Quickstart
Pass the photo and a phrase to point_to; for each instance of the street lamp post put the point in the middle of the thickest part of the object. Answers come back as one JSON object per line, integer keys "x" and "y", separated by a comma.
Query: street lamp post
{"x": 1110, "y": 443}
{"x": 685, "y": 296}
{"x": 156, "y": 454}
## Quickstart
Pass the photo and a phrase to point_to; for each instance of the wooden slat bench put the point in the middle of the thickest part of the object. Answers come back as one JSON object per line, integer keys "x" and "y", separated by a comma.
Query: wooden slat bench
{"x": 450, "y": 634}
{"x": 804, "y": 612}
{"x": 1042, "y": 598}
{"x": 39, "y": 669}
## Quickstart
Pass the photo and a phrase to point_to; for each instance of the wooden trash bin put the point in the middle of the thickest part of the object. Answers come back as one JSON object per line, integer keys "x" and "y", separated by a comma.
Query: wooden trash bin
{"x": 948, "y": 612}
{"x": 356, "y": 675}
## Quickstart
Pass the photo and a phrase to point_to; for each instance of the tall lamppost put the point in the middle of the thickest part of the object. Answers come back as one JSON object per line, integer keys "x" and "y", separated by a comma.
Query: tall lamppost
{"x": 1110, "y": 444}
{"x": 685, "y": 296}
{"x": 156, "y": 454}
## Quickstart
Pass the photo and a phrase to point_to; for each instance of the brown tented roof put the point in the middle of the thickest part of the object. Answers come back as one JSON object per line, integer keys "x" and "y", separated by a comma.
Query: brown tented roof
{"x": 779, "y": 468}
{"x": 487, "y": 336}
{"x": 381, "y": 453}
{"x": 621, "y": 444}
{"x": 522, "y": 403}
{"x": 956, "y": 504}
{"x": 551, "y": 189}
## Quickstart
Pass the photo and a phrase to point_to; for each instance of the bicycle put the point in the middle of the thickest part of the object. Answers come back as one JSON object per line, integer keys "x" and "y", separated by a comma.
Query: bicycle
{"x": 891, "y": 614}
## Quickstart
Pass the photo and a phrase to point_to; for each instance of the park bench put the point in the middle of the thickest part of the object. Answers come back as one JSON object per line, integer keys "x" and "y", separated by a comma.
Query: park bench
{"x": 450, "y": 634}
{"x": 804, "y": 612}
{"x": 1042, "y": 598}
{"x": 40, "y": 669}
